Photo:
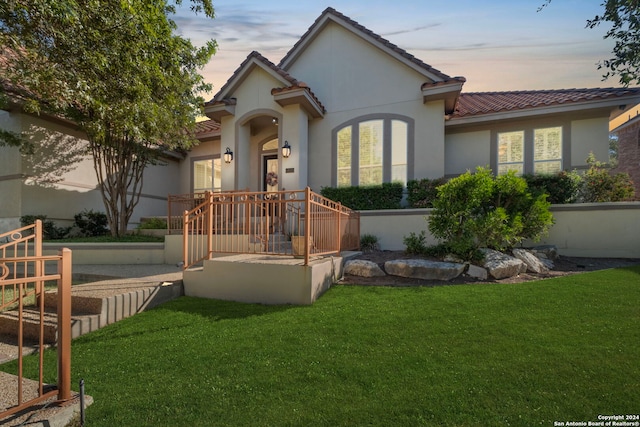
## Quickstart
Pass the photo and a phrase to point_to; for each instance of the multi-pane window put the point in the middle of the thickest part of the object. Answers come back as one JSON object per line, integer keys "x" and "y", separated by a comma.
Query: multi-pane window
{"x": 537, "y": 151}
{"x": 207, "y": 175}
{"x": 547, "y": 150}
{"x": 344, "y": 157}
{"x": 511, "y": 152}
{"x": 371, "y": 152}
{"x": 399, "y": 138}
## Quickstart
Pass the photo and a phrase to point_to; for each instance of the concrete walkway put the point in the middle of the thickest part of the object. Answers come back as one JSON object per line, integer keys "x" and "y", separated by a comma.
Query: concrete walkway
{"x": 101, "y": 282}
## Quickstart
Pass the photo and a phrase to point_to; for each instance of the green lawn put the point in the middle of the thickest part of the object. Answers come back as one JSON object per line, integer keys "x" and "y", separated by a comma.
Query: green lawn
{"x": 566, "y": 349}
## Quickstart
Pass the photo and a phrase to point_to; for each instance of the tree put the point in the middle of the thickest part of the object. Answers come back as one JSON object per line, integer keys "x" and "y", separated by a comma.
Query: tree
{"x": 624, "y": 16}
{"x": 116, "y": 69}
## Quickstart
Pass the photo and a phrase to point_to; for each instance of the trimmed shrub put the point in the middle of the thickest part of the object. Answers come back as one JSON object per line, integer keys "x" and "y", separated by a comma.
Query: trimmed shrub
{"x": 422, "y": 192}
{"x": 560, "y": 188}
{"x": 480, "y": 210}
{"x": 385, "y": 196}
{"x": 153, "y": 224}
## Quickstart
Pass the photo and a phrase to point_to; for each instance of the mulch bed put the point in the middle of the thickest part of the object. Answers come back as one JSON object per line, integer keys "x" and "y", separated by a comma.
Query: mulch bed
{"x": 564, "y": 266}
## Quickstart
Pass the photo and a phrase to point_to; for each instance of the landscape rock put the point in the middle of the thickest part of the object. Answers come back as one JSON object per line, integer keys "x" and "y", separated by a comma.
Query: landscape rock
{"x": 534, "y": 264}
{"x": 477, "y": 272}
{"x": 501, "y": 266}
{"x": 424, "y": 269}
{"x": 363, "y": 268}
{"x": 549, "y": 251}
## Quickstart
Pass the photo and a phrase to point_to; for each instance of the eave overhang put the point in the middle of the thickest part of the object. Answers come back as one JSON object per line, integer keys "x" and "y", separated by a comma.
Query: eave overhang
{"x": 299, "y": 95}
{"x": 449, "y": 91}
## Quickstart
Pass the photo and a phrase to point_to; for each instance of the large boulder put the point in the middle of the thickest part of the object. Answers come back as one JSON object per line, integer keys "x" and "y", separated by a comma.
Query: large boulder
{"x": 424, "y": 269}
{"x": 533, "y": 262}
{"x": 501, "y": 266}
{"x": 363, "y": 268}
{"x": 477, "y": 272}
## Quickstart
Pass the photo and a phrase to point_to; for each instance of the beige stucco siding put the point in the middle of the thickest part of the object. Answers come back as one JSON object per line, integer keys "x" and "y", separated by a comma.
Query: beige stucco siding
{"x": 345, "y": 72}
{"x": 58, "y": 180}
{"x": 591, "y": 135}
{"x": 349, "y": 73}
{"x": 465, "y": 151}
{"x": 10, "y": 172}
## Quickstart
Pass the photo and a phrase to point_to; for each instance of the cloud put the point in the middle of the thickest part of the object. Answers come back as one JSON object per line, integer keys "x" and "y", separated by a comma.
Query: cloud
{"x": 410, "y": 30}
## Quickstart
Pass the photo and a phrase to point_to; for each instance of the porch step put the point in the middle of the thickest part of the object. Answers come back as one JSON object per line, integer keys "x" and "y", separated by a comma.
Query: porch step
{"x": 31, "y": 324}
{"x": 93, "y": 307}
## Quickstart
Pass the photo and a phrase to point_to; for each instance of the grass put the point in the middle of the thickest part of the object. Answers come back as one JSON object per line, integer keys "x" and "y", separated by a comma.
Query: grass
{"x": 564, "y": 349}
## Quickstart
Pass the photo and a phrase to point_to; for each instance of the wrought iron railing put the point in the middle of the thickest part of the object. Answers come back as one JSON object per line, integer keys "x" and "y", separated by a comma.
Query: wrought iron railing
{"x": 299, "y": 223}
{"x": 23, "y": 273}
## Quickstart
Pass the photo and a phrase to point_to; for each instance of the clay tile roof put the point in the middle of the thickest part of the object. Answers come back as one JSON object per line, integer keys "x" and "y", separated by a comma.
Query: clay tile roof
{"x": 207, "y": 127}
{"x": 299, "y": 85}
{"x": 478, "y": 103}
{"x": 403, "y": 53}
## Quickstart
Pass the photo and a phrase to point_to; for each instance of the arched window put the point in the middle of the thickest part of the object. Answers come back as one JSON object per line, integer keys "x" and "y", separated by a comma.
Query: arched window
{"x": 373, "y": 150}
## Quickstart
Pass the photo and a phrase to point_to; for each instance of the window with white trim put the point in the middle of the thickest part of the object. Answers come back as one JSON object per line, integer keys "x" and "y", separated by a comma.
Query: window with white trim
{"x": 547, "y": 150}
{"x": 511, "y": 152}
{"x": 207, "y": 175}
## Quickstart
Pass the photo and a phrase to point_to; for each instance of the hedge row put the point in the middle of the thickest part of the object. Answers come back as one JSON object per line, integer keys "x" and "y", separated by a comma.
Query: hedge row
{"x": 385, "y": 196}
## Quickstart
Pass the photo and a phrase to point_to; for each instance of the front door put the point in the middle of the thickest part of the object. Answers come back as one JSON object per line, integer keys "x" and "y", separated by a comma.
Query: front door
{"x": 270, "y": 178}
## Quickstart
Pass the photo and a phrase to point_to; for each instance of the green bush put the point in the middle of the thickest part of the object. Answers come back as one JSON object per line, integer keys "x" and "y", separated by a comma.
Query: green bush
{"x": 422, "y": 192}
{"x": 415, "y": 243}
{"x": 49, "y": 229}
{"x": 560, "y": 188}
{"x": 385, "y": 196}
{"x": 598, "y": 185}
{"x": 369, "y": 242}
{"x": 479, "y": 210}
{"x": 153, "y": 224}
{"x": 91, "y": 224}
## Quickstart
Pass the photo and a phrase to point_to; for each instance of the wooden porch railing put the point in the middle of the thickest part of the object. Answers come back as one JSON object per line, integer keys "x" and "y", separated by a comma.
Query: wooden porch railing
{"x": 23, "y": 273}
{"x": 299, "y": 223}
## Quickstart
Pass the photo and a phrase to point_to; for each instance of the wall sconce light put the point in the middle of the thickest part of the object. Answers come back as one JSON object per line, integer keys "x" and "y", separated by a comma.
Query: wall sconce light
{"x": 274, "y": 120}
{"x": 228, "y": 155}
{"x": 286, "y": 149}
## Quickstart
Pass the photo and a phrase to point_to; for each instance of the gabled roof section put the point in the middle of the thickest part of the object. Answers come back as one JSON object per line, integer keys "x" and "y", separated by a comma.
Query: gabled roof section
{"x": 292, "y": 91}
{"x": 332, "y": 15}
{"x": 254, "y": 59}
{"x": 482, "y": 106}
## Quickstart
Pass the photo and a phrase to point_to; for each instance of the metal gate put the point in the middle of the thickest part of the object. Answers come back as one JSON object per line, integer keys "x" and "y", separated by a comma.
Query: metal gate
{"x": 24, "y": 271}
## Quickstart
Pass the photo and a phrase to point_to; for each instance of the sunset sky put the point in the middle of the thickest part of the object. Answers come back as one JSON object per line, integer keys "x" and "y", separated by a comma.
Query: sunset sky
{"x": 496, "y": 45}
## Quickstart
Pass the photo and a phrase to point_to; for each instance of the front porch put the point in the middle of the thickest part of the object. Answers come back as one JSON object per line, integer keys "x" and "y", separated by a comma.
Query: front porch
{"x": 265, "y": 279}
{"x": 277, "y": 247}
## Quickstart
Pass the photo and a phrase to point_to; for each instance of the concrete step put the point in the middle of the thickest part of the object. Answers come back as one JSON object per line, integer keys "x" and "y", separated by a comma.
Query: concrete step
{"x": 90, "y": 313}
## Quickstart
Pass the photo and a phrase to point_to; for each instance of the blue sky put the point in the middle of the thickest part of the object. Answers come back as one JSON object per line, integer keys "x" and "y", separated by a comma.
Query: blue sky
{"x": 496, "y": 45}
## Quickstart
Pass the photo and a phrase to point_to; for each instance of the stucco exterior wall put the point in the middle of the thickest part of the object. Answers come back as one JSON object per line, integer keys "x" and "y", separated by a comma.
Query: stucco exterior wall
{"x": 59, "y": 179}
{"x": 465, "y": 151}
{"x": 574, "y": 234}
{"x": 589, "y": 135}
{"x": 344, "y": 72}
{"x": 10, "y": 177}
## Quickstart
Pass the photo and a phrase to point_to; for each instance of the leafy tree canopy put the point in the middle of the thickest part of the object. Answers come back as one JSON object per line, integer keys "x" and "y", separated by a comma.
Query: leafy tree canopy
{"x": 624, "y": 17}
{"x": 118, "y": 70}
